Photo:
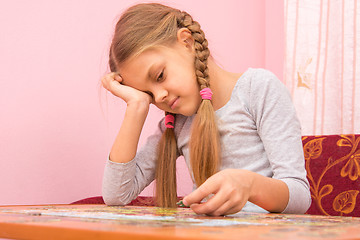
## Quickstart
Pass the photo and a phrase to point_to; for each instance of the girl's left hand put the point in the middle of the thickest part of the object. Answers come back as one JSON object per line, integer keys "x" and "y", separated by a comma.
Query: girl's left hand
{"x": 232, "y": 188}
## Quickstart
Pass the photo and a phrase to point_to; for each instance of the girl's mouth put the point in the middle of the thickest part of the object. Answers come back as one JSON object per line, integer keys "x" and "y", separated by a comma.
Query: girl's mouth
{"x": 174, "y": 103}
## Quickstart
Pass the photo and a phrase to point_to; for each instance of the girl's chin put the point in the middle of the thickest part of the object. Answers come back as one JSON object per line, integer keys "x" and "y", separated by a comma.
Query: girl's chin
{"x": 188, "y": 112}
{"x": 180, "y": 110}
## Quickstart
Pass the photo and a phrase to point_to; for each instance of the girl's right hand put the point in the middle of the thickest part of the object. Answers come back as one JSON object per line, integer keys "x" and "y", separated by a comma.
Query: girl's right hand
{"x": 112, "y": 83}
{"x": 138, "y": 103}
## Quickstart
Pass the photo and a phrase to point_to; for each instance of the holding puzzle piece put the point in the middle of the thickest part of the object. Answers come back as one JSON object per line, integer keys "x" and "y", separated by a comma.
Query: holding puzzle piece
{"x": 181, "y": 204}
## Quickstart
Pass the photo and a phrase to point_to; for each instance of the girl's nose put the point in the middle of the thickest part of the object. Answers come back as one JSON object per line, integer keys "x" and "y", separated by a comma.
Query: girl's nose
{"x": 160, "y": 95}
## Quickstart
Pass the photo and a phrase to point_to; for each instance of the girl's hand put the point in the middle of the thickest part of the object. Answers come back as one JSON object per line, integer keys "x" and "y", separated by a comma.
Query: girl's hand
{"x": 112, "y": 83}
{"x": 231, "y": 189}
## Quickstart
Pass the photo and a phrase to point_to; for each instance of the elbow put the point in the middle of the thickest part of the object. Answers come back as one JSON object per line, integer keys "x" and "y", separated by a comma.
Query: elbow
{"x": 306, "y": 201}
{"x": 299, "y": 199}
{"x": 309, "y": 201}
{"x": 111, "y": 201}
{"x": 303, "y": 208}
{"x": 117, "y": 192}
{"x": 300, "y": 208}
{"x": 112, "y": 198}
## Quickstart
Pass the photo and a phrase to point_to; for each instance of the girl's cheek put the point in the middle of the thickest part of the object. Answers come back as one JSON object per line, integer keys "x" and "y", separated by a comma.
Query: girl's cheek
{"x": 163, "y": 107}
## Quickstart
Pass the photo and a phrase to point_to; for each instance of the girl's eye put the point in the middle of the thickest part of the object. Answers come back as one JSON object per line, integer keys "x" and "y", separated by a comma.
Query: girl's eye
{"x": 160, "y": 77}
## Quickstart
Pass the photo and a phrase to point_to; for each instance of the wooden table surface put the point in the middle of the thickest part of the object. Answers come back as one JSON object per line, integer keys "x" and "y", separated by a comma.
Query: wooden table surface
{"x": 132, "y": 222}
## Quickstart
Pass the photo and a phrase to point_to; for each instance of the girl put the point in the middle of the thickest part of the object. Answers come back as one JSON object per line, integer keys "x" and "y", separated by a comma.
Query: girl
{"x": 238, "y": 133}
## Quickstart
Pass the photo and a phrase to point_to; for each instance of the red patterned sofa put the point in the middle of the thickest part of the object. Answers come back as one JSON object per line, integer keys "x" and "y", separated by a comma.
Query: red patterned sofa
{"x": 333, "y": 169}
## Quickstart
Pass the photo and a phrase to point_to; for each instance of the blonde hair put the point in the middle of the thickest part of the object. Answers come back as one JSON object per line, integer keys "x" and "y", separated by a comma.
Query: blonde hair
{"x": 151, "y": 24}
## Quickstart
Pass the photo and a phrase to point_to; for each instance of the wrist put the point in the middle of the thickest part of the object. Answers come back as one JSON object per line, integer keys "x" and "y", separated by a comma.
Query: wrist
{"x": 269, "y": 193}
{"x": 248, "y": 179}
{"x": 138, "y": 105}
{"x": 254, "y": 183}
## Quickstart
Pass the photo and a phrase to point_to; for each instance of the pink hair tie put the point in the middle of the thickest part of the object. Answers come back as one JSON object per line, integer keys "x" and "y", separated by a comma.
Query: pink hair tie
{"x": 169, "y": 121}
{"x": 206, "y": 93}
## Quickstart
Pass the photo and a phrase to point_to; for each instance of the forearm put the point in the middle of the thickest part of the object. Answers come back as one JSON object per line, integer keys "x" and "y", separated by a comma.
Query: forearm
{"x": 269, "y": 193}
{"x": 126, "y": 142}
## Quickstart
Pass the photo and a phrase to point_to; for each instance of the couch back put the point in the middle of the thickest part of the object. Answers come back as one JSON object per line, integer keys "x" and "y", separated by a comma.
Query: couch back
{"x": 333, "y": 168}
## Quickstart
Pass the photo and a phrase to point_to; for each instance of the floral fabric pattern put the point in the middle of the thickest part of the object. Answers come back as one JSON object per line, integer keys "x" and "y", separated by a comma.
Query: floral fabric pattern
{"x": 333, "y": 168}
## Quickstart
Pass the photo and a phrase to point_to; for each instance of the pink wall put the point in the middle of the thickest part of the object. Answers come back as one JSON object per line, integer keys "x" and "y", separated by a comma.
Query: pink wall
{"x": 56, "y": 126}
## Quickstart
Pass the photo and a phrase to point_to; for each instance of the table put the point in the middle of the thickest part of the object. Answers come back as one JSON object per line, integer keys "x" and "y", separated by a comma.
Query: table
{"x": 96, "y": 221}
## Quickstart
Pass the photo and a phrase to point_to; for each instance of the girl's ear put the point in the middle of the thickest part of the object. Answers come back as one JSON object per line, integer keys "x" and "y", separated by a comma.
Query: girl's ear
{"x": 185, "y": 38}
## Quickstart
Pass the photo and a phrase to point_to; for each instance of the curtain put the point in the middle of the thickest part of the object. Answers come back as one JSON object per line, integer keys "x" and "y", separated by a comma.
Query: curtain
{"x": 322, "y": 64}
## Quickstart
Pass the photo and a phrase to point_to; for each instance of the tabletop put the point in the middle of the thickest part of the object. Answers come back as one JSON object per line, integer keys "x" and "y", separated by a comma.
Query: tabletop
{"x": 96, "y": 221}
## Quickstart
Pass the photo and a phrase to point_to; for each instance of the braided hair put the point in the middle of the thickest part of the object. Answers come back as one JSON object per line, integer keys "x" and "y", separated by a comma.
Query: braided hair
{"x": 204, "y": 141}
{"x": 151, "y": 24}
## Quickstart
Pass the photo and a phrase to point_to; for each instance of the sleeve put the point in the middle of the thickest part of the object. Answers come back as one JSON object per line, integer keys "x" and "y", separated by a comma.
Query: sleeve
{"x": 123, "y": 182}
{"x": 280, "y": 132}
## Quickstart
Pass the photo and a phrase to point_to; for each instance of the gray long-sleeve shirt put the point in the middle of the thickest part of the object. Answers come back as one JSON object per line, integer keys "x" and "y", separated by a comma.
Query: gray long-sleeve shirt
{"x": 259, "y": 132}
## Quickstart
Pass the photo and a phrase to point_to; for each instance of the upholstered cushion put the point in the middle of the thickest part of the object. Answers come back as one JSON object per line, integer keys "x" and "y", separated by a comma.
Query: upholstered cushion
{"x": 90, "y": 200}
{"x": 333, "y": 169}
{"x": 139, "y": 201}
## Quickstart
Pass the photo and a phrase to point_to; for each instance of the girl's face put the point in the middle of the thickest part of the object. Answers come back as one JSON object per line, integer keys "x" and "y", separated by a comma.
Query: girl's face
{"x": 168, "y": 75}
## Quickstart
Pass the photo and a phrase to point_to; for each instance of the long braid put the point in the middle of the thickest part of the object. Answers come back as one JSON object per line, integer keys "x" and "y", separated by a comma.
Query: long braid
{"x": 201, "y": 50}
{"x": 165, "y": 174}
{"x": 205, "y": 140}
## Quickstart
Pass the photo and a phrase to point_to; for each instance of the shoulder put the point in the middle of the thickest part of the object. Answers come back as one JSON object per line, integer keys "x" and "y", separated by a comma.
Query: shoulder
{"x": 262, "y": 81}
{"x": 260, "y": 76}
{"x": 256, "y": 82}
{"x": 254, "y": 78}
{"x": 263, "y": 90}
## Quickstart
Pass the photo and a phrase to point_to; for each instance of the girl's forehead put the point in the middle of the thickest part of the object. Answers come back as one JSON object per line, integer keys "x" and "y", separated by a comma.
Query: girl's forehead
{"x": 144, "y": 64}
{"x": 140, "y": 68}
{"x": 140, "y": 62}
{"x": 154, "y": 51}
{"x": 149, "y": 56}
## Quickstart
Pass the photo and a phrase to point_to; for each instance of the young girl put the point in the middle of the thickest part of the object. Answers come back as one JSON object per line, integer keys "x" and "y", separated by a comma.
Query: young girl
{"x": 238, "y": 133}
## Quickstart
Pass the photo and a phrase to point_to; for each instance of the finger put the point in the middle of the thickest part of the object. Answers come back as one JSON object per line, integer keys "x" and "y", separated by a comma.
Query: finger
{"x": 221, "y": 210}
{"x": 107, "y": 79}
{"x": 236, "y": 202}
{"x": 104, "y": 83}
{"x": 208, "y": 187}
{"x": 213, "y": 204}
{"x": 235, "y": 209}
{"x": 229, "y": 207}
{"x": 118, "y": 78}
{"x": 226, "y": 209}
